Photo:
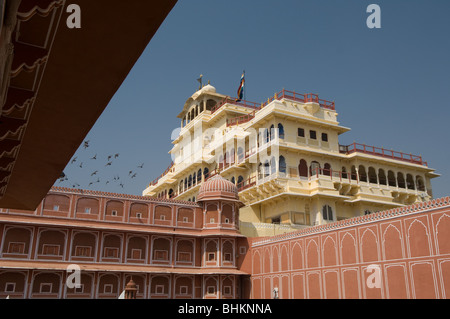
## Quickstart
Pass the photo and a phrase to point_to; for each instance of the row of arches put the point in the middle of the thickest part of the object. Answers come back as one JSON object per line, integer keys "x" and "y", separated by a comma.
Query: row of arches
{"x": 387, "y": 241}
{"x": 90, "y": 207}
{"x": 271, "y": 166}
{"x": 45, "y": 284}
{"x": 271, "y": 133}
{"x": 358, "y": 173}
{"x": 196, "y": 109}
{"x": 192, "y": 180}
{"x": 362, "y": 174}
{"x": 59, "y": 244}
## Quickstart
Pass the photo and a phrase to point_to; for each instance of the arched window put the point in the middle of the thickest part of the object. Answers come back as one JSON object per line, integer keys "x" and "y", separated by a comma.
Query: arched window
{"x": 420, "y": 184}
{"x": 327, "y": 213}
{"x": 280, "y": 130}
{"x": 382, "y": 177}
{"x": 362, "y": 173}
{"x": 303, "y": 168}
{"x": 206, "y": 172}
{"x": 266, "y": 168}
{"x": 401, "y": 180}
{"x": 367, "y": 212}
{"x": 372, "y": 176}
{"x": 180, "y": 187}
{"x": 260, "y": 171}
{"x": 266, "y": 136}
{"x": 194, "y": 178}
{"x": 240, "y": 154}
{"x": 344, "y": 172}
{"x": 410, "y": 181}
{"x": 231, "y": 157}
{"x": 282, "y": 165}
{"x": 240, "y": 180}
{"x": 354, "y": 175}
{"x": 170, "y": 193}
{"x": 314, "y": 168}
{"x": 327, "y": 169}
{"x": 273, "y": 165}
{"x": 190, "y": 181}
{"x": 272, "y": 132}
{"x": 233, "y": 180}
{"x": 199, "y": 175}
{"x": 221, "y": 161}
{"x": 391, "y": 179}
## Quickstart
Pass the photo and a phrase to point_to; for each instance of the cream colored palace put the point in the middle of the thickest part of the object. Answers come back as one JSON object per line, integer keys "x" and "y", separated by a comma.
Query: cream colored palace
{"x": 285, "y": 158}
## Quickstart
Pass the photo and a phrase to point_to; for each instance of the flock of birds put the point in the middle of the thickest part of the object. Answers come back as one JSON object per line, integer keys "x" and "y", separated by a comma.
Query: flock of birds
{"x": 94, "y": 178}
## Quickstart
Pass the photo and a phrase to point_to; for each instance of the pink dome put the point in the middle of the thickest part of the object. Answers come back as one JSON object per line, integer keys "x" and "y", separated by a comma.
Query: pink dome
{"x": 218, "y": 187}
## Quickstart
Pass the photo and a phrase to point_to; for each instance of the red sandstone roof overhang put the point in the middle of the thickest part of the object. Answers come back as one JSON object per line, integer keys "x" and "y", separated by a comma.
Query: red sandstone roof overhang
{"x": 61, "y": 79}
{"x": 26, "y": 264}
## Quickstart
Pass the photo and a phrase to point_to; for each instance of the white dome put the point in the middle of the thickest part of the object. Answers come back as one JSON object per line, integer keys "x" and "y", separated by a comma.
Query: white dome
{"x": 209, "y": 88}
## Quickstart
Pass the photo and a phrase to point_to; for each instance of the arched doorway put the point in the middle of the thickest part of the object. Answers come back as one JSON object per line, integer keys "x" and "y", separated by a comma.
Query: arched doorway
{"x": 303, "y": 168}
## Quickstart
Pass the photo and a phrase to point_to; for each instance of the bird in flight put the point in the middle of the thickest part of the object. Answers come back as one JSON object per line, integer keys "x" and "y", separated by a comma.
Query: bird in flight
{"x": 94, "y": 157}
{"x": 90, "y": 183}
{"x": 121, "y": 185}
{"x": 141, "y": 166}
{"x": 130, "y": 172}
{"x": 81, "y": 165}
{"x": 109, "y": 157}
{"x": 133, "y": 176}
{"x": 93, "y": 173}
{"x": 116, "y": 155}
{"x": 74, "y": 160}
{"x": 86, "y": 144}
{"x": 63, "y": 177}
{"x": 108, "y": 164}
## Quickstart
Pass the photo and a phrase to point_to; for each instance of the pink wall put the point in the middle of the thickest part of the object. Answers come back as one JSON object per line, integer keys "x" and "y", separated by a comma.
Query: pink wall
{"x": 400, "y": 253}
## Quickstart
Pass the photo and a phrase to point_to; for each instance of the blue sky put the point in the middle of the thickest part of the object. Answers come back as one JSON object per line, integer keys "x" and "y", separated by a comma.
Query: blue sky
{"x": 391, "y": 85}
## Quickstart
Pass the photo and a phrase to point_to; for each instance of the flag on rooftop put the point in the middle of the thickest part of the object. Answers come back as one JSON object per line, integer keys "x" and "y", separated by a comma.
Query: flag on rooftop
{"x": 240, "y": 91}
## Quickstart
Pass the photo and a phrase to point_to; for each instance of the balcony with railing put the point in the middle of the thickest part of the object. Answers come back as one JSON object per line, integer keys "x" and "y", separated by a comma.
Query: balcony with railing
{"x": 249, "y": 182}
{"x": 319, "y": 174}
{"x": 299, "y": 97}
{"x": 235, "y": 101}
{"x": 241, "y": 119}
{"x": 379, "y": 151}
{"x": 168, "y": 169}
{"x": 283, "y": 94}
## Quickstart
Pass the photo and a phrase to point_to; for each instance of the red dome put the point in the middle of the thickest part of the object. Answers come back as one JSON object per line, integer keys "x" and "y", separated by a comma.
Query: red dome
{"x": 131, "y": 285}
{"x": 218, "y": 187}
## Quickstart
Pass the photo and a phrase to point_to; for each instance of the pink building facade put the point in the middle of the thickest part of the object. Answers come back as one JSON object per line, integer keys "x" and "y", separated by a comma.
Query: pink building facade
{"x": 173, "y": 249}
{"x": 170, "y": 249}
{"x": 400, "y": 253}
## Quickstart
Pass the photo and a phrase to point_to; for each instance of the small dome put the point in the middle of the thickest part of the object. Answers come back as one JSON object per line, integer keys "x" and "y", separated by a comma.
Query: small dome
{"x": 131, "y": 285}
{"x": 218, "y": 187}
{"x": 208, "y": 88}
